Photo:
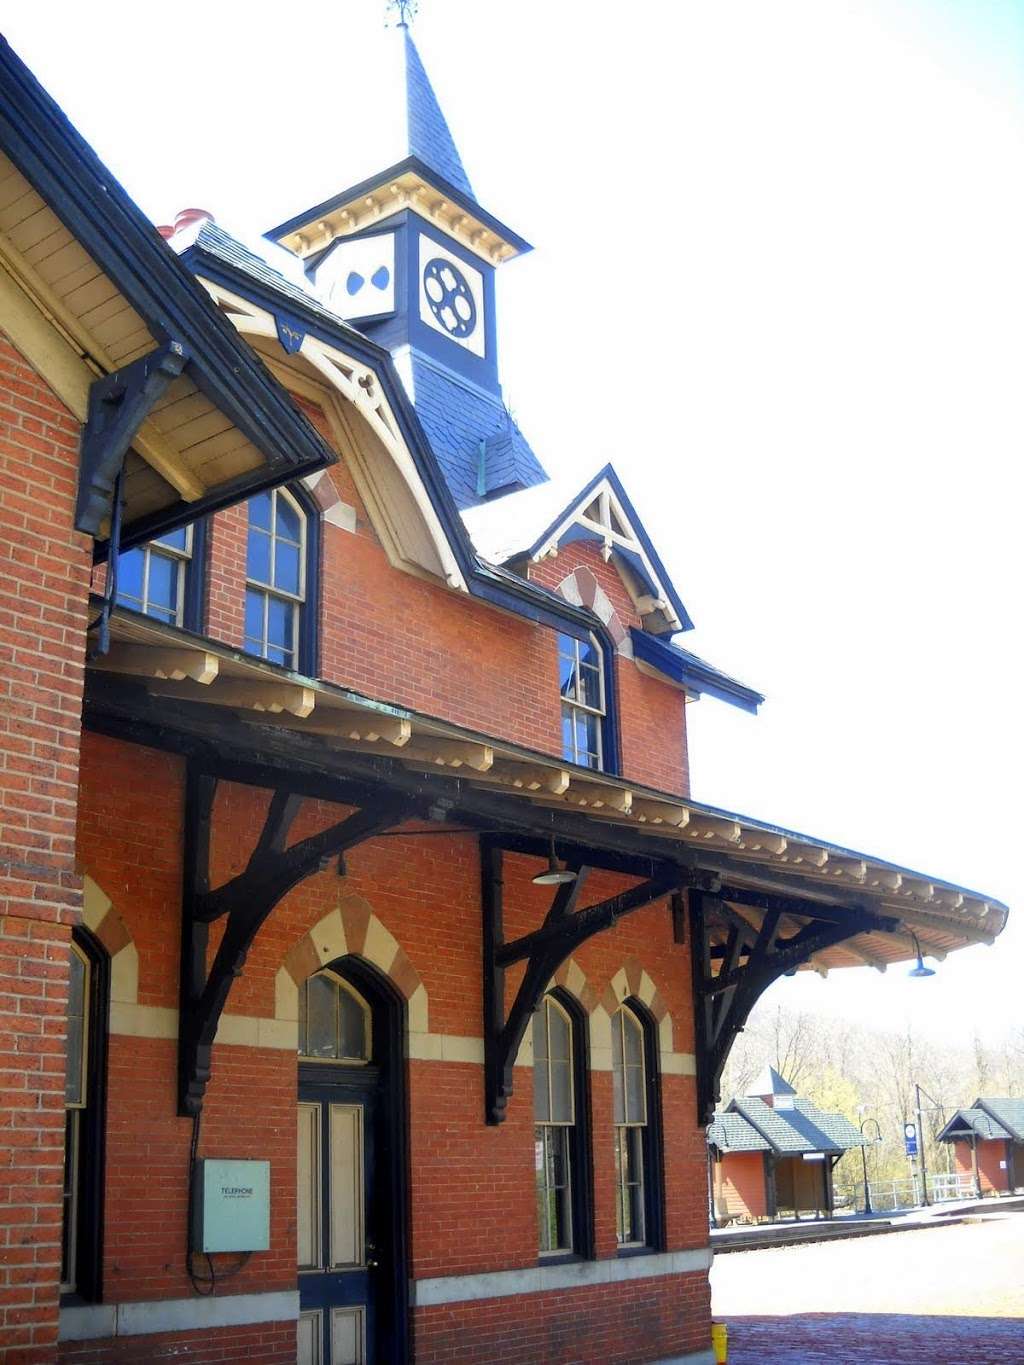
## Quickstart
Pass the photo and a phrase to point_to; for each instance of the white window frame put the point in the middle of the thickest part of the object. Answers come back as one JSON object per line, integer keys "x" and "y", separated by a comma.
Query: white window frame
{"x": 269, "y": 590}
{"x": 548, "y": 1131}
{"x": 160, "y": 548}
{"x": 574, "y": 703}
{"x": 631, "y": 1132}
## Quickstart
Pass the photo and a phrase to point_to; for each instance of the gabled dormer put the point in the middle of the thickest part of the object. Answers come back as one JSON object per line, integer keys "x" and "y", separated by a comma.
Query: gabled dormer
{"x": 409, "y": 256}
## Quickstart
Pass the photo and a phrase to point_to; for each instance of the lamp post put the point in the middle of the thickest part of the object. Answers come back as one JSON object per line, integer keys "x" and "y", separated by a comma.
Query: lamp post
{"x": 864, "y": 1161}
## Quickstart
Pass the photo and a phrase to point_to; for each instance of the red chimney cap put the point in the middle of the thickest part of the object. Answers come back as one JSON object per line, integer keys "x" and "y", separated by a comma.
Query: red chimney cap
{"x": 186, "y": 217}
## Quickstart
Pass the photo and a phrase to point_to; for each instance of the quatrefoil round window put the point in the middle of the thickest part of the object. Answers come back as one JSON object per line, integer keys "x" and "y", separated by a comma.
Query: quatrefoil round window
{"x": 449, "y": 297}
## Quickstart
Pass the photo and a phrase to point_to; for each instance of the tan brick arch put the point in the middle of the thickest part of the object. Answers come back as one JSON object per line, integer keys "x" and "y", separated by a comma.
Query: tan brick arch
{"x": 111, "y": 932}
{"x": 582, "y": 589}
{"x": 351, "y": 929}
{"x": 633, "y": 980}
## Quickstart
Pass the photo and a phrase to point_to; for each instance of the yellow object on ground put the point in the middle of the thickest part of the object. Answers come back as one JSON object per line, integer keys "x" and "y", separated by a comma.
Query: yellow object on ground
{"x": 720, "y": 1342}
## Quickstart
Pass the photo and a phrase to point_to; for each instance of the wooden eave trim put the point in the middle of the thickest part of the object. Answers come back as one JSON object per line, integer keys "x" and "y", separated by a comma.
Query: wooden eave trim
{"x": 250, "y": 687}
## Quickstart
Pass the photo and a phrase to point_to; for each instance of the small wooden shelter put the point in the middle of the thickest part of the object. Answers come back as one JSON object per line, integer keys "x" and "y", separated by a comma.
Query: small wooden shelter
{"x": 988, "y": 1143}
{"x": 772, "y": 1154}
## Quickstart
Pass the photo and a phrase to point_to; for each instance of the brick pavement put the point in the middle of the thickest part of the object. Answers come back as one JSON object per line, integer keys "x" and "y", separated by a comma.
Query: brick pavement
{"x": 881, "y": 1338}
{"x": 941, "y": 1296}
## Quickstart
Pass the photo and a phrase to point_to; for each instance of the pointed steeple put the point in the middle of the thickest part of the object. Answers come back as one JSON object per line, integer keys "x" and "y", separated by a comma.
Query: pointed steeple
{"x": 430, "y": 138}
{"x": 409, "y": 256}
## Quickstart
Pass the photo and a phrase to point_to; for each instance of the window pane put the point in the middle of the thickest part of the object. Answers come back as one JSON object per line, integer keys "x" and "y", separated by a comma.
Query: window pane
{"x": 257, "y": 563}
{"x": 590, "y": 655}
{"x": 177, "y": 540}
{"x": 163, "y": 582}
{"x": 590, "y": 687}
{"x": 130, "y": 568}
{"x": 73, "y": 1077}
{"x": 286, "y": 567}
{"x": 558, "y": 1034}
{"x": 254, "y": 618}
{"x": 321, "y": 1005}
{"x": 289, "y": 523}
{"x": 568, "y": 748}
{"x": 567, "y": 670}
{"x": 353, "y": 1026}
{"x": 618, "y": 1108}
{"x": 279, "y": 623}
{"x": 633, "y": 1040}
{"x": 276, "y": 655}
{"x": 636, "y": 1106}
{"x": 561, "y": 1092}
{"x": 259, "y": 511}
{"x": 541, "y": 1102}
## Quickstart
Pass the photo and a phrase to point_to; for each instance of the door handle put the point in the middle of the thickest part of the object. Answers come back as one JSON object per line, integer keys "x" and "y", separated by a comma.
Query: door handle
{"x": 371, "y": 1264}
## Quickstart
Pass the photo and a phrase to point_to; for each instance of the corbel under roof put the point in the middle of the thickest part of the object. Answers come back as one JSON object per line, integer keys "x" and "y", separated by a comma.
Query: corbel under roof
{"x": 88, "y": 286}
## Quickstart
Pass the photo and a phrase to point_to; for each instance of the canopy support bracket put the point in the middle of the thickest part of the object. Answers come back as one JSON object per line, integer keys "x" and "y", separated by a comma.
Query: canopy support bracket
{"x": 244, "y": 901}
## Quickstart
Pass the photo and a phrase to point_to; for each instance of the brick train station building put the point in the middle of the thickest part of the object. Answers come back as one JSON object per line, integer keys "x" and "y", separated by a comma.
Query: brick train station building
{"x": 367, "y": 966}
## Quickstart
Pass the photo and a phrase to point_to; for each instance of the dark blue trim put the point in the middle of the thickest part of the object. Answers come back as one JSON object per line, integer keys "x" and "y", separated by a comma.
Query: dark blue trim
{"x": 409, "y": 163}
{"x": 611, "y": 731}
{"x": 636, "y": 526}
{"x": 196, "y": 578}
{"x": 690, "y": 672}
{"x": 68, "y": 175}
{"x": 307, "y": 661}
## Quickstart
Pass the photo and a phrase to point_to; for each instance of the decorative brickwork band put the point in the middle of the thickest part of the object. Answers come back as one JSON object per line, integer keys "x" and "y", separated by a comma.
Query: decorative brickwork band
{"x": 354, "y": 929}
{"x": 111, "y": 932}
{"x": 582, "y": 589}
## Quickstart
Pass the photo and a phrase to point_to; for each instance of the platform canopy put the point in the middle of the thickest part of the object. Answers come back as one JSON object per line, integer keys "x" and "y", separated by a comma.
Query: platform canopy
{"x": 773, "y": 869}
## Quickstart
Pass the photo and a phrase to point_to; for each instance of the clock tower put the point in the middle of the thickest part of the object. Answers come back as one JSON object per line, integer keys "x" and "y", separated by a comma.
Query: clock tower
{"x": 409, "y": 257}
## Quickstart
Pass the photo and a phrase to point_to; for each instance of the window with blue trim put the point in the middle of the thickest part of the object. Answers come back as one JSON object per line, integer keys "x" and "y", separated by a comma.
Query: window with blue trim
{"x": 581, "y": 682}
{"x": 152, "y": 578}
{"x": 276, "y": 577}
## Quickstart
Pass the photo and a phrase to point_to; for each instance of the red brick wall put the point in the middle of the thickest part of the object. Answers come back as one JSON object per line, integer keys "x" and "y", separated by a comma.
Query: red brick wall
{"x": 990, "y": 1153}
{"x": 42, "y": 639}
{"x": 652, "y": 714}
{"x": 472, "y": 1186}
{"x": 409, "y": 641}
{"x": 740, "y": 1185}
{"x": 627, "y": 1322}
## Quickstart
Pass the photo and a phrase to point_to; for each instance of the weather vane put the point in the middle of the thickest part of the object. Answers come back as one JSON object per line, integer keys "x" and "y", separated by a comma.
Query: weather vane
{"x": 406, "y": 11}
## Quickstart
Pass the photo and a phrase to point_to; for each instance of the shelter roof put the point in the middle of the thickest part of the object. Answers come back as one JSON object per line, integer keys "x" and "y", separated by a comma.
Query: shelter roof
{"x": 731, "y": 1132}
{"x": 803, "y": 1128}
{"x": 1009, "y": 1113}
{"x": 967, "y": 1122}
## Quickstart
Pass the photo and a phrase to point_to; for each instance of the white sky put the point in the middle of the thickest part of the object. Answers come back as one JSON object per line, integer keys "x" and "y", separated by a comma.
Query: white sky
{"x": 778, "y": 281}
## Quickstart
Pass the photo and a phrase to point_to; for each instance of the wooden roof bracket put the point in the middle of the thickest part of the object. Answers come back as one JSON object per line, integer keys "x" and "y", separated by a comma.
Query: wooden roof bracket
{"x": 543, "y": 950}
{"x": 722, "y": 1002}
{"x": 119, "y": 403}
{"x": 246, "y": 900}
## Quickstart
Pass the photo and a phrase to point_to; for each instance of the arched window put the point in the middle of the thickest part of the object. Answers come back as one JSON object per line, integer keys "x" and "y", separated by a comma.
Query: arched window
{"x": 637, "y": 1136}
{"x": 83, "y": 1120}
{"x": 334, "y": 1021}
{"x": 560, "y": 1132}
{"x": 162, "y": 578}
{"x": 280, "y": 570}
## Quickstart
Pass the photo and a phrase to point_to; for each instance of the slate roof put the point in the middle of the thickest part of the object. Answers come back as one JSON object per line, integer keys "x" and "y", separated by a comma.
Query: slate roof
{"x": 429, "y": 135}
{"x": 975, "y": 1121}
{"x": 220, "y": 244}
{"x": 456, "y": 416}
{"x": 770, "y": 1082}
{"x": 786, "y": 1132}
{"x": 1009, "y": 1113}
{"x": 731, "y": 1132}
